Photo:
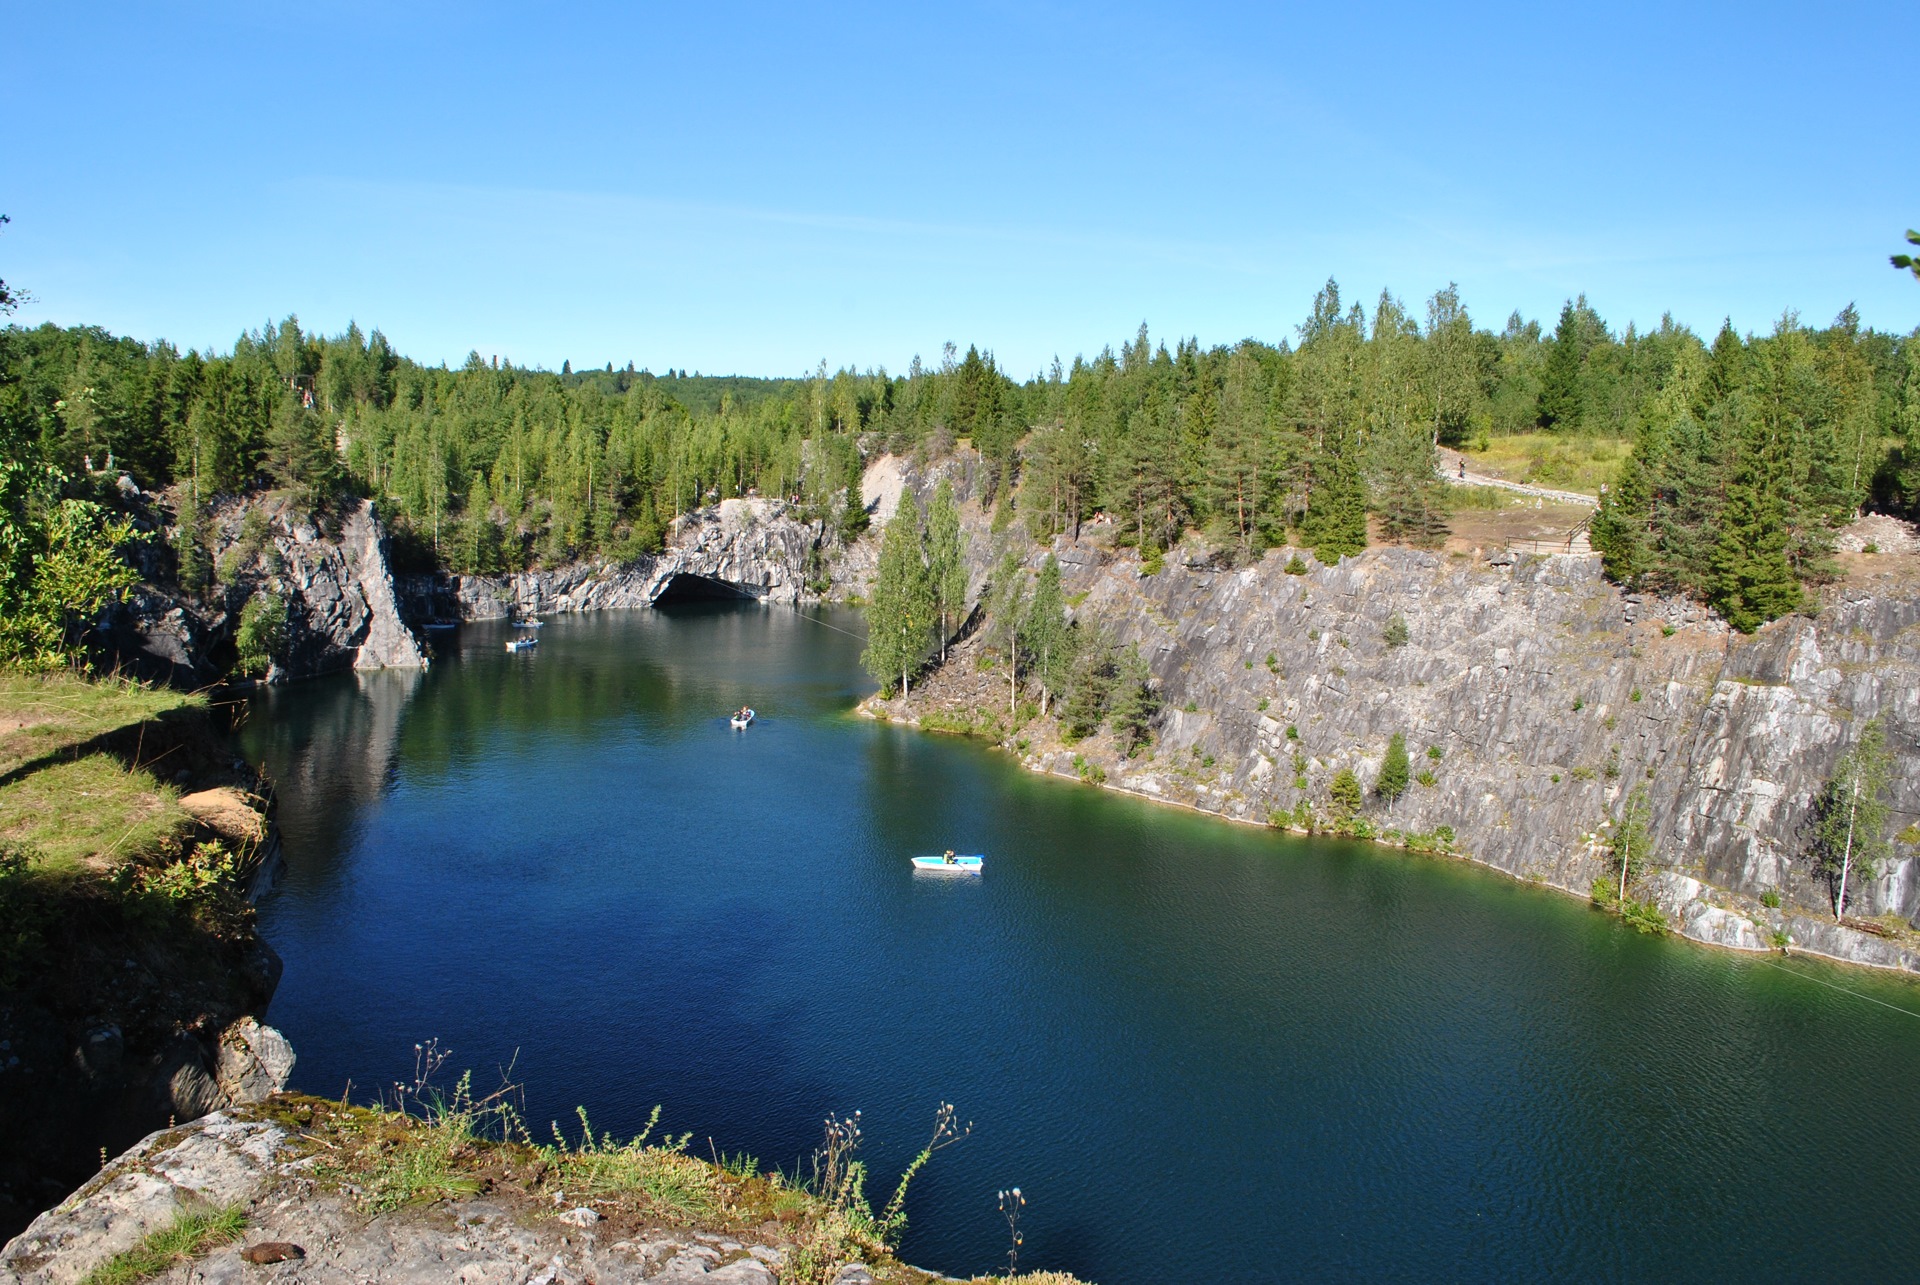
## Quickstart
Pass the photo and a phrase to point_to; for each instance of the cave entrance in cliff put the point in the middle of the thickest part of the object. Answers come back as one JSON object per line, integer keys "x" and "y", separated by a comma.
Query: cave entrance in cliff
{"x": 687, "y": 587}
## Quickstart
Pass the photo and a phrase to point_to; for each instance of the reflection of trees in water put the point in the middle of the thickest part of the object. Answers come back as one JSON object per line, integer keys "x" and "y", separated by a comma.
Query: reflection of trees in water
{"x": 335, "y": 746}
{"x": 331, "y": 748}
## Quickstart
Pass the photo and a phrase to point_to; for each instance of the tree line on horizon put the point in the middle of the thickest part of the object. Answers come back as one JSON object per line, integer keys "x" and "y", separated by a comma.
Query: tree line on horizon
{"x": 1747, "y": 451}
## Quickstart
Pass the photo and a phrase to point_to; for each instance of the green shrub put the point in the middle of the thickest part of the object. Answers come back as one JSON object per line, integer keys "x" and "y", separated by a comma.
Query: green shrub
{"x": 1427, "y": 779}
{"x": 261, "y": 638}
{"x": 1433, "y": 752}
{"x": 1293, "y": 733}
{"x": 1295, "y": 567}
{"x": 1396, "y": 633}
{"x": 1770, "y": 899}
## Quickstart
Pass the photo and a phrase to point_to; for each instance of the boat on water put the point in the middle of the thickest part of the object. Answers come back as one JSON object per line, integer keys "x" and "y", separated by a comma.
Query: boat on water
{"x": 438, "y": 625}
{"x": 522, "y": 644}
{"x": 528, "y": 622}
{"x": 741, "y": 719}
{"x": 951, "y": 864}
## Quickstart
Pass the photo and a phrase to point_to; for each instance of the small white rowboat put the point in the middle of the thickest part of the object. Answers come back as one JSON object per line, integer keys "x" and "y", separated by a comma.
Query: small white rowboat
{"x": 951, "y": 865}
{"x": 522, "y": 644}
{"x": 741, "y": 720}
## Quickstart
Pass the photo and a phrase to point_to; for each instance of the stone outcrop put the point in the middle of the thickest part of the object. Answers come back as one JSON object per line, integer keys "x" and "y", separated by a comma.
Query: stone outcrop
{"x": 752, "y": 548}
{"x": 272, "y": 1165}
{"x": 1548, "y": 695}
{"x": 332, "y": 572}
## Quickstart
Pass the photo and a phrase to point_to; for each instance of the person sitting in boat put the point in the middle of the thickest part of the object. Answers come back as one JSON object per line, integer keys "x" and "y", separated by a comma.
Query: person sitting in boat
{"x": 949, "y": 857}
{"x": 744, "y": 711}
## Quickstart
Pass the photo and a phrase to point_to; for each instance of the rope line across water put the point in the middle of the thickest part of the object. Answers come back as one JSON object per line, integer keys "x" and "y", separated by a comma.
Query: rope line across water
{"x": 1845, "y": 990}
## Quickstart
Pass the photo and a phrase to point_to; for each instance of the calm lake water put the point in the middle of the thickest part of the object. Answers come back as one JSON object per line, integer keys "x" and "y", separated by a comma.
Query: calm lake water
{"x": 1189, "y": 1043}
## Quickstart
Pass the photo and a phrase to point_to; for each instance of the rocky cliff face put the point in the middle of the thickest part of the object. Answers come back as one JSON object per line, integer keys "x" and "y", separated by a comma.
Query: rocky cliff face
{"x": 1547, "y": 693}
{"x": 752, "y": 548}
{"x": 342, "y": 612}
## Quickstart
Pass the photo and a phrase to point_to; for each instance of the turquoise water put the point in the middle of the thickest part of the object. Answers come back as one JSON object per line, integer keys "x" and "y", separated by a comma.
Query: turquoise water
{"x": 1187, "y": 1042}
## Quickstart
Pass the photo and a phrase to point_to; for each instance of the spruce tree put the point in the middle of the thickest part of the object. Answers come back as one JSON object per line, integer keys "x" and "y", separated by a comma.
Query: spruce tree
{"x": 1752, "y": 580}
{"x": 1046, "y": 636}
{"x": 1133, "y": 701}
{"x": 1395, "y": 771}
{"x": 1344, "y": 794}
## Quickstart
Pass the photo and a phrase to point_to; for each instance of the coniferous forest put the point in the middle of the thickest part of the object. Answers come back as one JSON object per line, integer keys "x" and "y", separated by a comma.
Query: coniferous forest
{"x": 1746, "y": 451}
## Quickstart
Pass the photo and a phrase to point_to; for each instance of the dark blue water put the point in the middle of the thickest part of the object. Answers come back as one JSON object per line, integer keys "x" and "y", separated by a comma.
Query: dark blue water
{"x": 1187, "y": 1042}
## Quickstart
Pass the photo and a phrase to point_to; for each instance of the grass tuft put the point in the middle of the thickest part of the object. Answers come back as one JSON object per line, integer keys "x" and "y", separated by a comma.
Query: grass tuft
{"x": 191, "y": 1233}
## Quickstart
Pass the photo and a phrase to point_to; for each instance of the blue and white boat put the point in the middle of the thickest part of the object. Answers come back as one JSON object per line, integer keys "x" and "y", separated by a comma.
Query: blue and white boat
{"x": 951, "y": 864}
{"x": 741, "y": 719}
{"x": 522, "y": 644}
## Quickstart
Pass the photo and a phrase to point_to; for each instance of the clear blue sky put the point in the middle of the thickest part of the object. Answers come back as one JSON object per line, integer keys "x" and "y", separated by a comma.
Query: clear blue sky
{"x": 738, "y": 187}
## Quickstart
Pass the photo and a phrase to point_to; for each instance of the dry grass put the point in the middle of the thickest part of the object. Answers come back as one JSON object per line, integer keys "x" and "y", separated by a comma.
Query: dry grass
{"x": 1548, "y": 459}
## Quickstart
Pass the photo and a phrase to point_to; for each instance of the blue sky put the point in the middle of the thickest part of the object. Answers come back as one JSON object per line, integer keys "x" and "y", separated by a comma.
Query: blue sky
{"x": 738, "y": 187}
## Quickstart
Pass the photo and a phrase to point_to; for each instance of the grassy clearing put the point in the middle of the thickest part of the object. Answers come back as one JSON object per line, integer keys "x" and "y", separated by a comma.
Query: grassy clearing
{"x": 72, "y": 808}
{"x": 1581, "y": 464}
{"x": 46, "y": 714}
{"x": 90, "y": 813}
{"x": 191, "y": 1233}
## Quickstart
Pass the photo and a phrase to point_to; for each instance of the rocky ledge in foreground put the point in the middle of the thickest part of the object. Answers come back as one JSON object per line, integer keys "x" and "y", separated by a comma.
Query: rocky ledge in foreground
{"x": 299, "y": 1188}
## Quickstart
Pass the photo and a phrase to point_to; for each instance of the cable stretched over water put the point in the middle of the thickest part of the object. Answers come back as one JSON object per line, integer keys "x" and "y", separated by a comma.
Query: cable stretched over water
{"x": 824, "y": 625}
{"x": 1845, "y": 990}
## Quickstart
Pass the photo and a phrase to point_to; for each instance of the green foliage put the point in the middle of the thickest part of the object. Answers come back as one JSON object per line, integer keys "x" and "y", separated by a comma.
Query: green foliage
{"x": 261, "y": 636}
{"x": 60, "y": 557}
{"x": 1296, "y": 566}
{"x": 1427, "y": 778}
{"x": 901, "y": 616}
{"x": 1630, "y": 839}
{"x": 1850, "y": 816}
{"x": 1394, "y": 769}
{"x": 946, "y": 563}
{"x": 1396, "y": 633}
{"x": 1094, "y": 678}
{"x": 1045, "y": 636}
{"x": 192, "y": 1233}
{"x": 1344, "y": 794}
{"x": 1770, "y": 898}
{"x": 1907, "y": 261}
{"x": 1134, "y": 703}
{"x": 1433, "y": 752}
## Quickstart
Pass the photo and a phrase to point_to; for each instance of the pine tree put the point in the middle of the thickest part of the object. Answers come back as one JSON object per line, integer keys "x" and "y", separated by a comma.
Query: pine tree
{"x": 900, "y": 617}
